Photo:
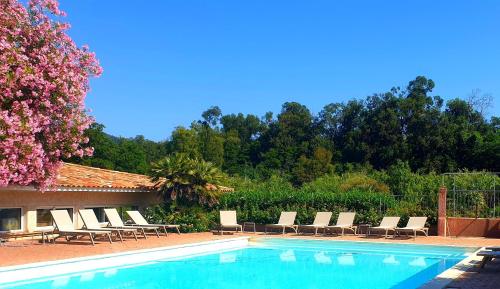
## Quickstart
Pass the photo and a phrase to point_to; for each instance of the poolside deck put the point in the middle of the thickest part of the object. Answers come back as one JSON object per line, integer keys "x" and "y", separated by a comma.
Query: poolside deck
{"x": 28, "y": 251}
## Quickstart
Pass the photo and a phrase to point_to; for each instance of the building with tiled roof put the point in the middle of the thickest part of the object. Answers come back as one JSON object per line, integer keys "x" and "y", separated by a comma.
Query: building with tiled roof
{"x": 24, "y": 208}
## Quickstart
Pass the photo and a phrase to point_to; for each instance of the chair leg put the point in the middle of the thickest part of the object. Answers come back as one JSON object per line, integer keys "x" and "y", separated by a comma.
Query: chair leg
{"x": 157, "y": 233}
{"x": 135, "y": 235}
{"x": 165, "y": 229}
{"x": 120, "y": 235}
{"x": 283, "y": 230}
{"x": 91, "y": 239}
{"x": 144, "y": 233}
{"x": 109, "y": 237}
{"x": 485, "y": 260}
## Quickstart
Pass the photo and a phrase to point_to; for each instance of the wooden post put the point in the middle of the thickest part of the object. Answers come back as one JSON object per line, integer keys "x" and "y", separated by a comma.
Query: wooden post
{"x": 442, "y": 225}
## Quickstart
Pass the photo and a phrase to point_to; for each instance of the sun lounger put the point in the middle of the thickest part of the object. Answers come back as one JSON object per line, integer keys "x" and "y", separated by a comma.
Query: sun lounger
{"x": 488, "y": 256}
{"x": 116, "y": 222}
{"x": 345, "y": 221}
{"x": 91, "y": 223}
{"x": 493, "y": 248}
{"x": 228, "y": 220}
{"x": 139, "y": 220}
{"x": 415, "y": 224}
{"x": 287, "y": 220}
{"x": 388, "y": 224}
{"x": 321, "y": 220}
{"x": 65, "y": 227}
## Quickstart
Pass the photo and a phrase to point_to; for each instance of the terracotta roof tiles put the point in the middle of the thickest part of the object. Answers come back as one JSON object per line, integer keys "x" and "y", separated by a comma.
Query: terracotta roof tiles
{"x": 73, "y": 175}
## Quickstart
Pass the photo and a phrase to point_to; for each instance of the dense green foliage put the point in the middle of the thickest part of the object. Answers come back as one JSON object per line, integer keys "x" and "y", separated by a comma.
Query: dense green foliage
{"x": 371, "y": 194}
{"x": 407, "y": 125}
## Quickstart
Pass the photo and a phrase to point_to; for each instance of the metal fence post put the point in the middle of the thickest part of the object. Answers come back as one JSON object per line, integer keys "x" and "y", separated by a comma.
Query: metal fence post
{"x": 494, "y": 198}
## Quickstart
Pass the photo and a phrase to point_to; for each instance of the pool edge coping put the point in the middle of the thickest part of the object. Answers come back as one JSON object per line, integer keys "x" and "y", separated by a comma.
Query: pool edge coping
{"x": 4, "y": 269}
{"x": 388, "y": 241}
{"x": 446, "y": 277}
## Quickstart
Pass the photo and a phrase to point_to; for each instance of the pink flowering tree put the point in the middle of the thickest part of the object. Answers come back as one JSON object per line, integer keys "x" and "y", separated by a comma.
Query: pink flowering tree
{"x": 44, "y": 78}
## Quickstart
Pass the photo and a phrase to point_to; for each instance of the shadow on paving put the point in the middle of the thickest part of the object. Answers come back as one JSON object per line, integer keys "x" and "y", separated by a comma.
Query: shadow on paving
{"x": 486, "y": 278}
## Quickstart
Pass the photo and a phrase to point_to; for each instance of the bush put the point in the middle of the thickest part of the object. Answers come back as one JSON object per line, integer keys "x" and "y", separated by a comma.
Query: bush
{"x": 364, "y": 183}
{"x": 371, "y": 195}
{"x": 190, "y": 219}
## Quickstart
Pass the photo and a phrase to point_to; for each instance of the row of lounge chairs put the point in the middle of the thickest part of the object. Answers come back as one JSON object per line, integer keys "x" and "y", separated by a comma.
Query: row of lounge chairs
{"x": 345, "y": 221}
{"x": 93, "y": 228}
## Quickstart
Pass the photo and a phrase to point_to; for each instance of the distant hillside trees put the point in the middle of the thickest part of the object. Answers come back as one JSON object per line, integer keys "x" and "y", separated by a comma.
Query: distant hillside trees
{"x": 407, "y": 125}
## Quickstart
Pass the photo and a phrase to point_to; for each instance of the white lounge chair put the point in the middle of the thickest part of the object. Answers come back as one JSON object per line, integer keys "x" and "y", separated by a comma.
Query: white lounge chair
{"x": 139, "y": 220}
{"x": 388, "y": 224}
{"x": 116, "y": 222}
{"x": 91, "y": 223}
{"x": 489, "y": 255}
{"x": 415, "y": 224}
{"x": 321, "y": 220}
{"x": 228, "y": 220}
{"x": 65, "y": 227}
{"x": 345, "y": 221}
{"x": 287, "y": 220}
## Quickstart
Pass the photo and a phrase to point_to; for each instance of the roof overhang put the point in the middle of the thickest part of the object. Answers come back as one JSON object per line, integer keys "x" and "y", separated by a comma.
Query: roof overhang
{"x": 18, "y": 188}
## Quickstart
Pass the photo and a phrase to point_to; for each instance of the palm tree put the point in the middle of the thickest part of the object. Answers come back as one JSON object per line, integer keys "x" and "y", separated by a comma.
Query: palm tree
{"x": 180, "y": 178}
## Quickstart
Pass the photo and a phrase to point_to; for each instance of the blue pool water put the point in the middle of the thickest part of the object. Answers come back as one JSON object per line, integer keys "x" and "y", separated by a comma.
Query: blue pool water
{"x": 278, "y": 263}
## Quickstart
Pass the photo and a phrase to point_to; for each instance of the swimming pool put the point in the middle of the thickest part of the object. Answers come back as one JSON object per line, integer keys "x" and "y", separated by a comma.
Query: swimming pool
{"x": 274, "y": 263}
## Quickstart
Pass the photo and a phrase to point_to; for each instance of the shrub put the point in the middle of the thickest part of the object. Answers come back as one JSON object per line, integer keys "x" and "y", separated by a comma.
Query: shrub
{"x": 395, "y": 192}
{"x": 364, "y": 183}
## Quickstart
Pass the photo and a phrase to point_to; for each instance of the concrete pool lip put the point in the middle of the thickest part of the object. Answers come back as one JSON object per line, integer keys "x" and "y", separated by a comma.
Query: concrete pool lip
{"x": 446, "y": 277}
{"x": 373, "y": 241}
{"x": 47, "y": 269}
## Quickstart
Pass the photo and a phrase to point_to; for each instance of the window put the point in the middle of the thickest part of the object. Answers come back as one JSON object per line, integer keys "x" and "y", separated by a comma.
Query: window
{"x": 99, "y": 213}
{"x": 44, "y": 218}
{"x": 10, "y": 219}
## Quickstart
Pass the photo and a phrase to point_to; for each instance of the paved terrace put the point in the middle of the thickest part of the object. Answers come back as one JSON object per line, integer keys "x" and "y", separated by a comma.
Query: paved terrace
{"x": 28, "y": 251}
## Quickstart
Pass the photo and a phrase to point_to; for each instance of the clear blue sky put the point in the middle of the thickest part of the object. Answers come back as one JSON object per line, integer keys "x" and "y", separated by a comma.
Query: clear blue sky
{"x": 167, "y": 61}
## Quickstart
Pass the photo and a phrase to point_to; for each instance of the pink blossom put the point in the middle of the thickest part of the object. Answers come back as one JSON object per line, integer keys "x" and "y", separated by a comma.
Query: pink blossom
{"x": 43, "y": 85}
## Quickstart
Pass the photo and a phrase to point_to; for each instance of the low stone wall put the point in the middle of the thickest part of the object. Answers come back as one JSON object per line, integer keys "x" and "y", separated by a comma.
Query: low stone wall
{"x": 474, "y": 227}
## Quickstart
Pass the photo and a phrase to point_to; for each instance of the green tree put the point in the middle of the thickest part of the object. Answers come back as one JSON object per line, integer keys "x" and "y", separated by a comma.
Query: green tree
{"x": 308, "y": 169}
{"x": 421, "y": 115}
{"x": 288, "y": 138}
{"x": 131, "y": 157}
{"x": 212, "y": 115}
{"x": 210, "y": 143}
{"x": 382, "y": 130}
{"x": 105, "y": 149}
{"x": 185, "y": 141}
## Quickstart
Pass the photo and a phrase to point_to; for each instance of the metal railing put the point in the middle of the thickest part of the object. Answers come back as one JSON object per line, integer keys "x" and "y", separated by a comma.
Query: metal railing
{"x": 478, "y": 198}
{"x": 474, "y": 203}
